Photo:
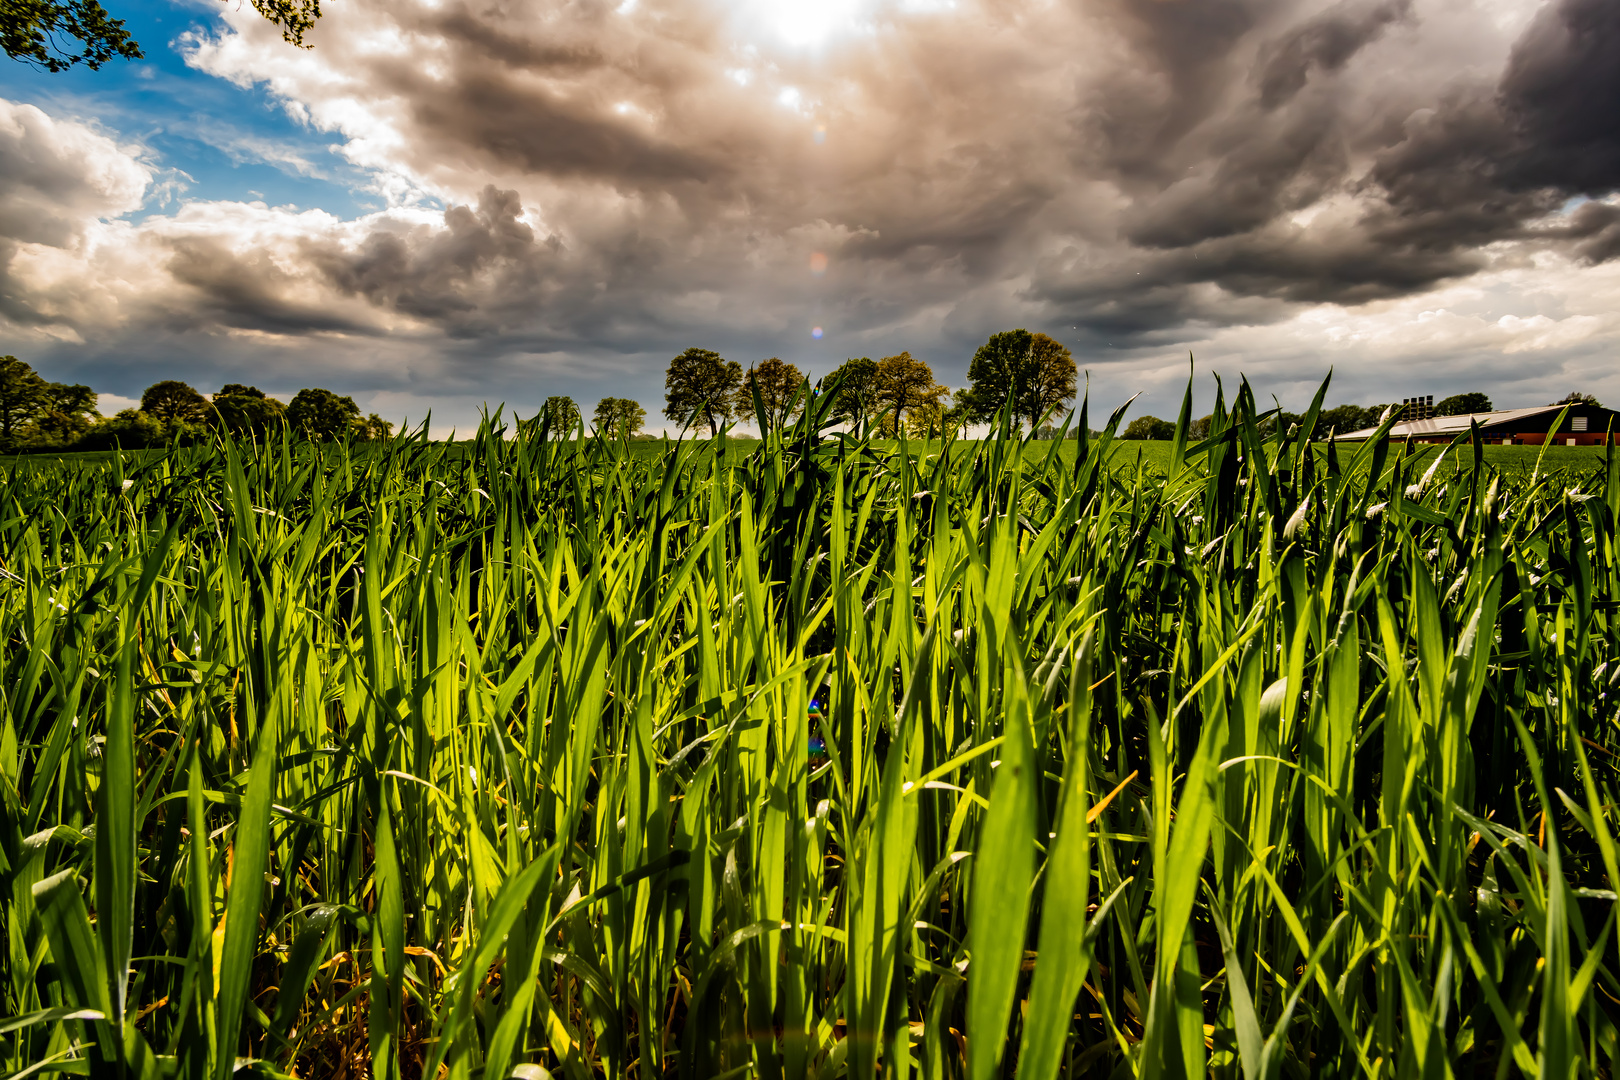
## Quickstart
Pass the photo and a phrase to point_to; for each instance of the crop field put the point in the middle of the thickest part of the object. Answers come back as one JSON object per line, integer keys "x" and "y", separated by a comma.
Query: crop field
{"x": 580, "y": 759}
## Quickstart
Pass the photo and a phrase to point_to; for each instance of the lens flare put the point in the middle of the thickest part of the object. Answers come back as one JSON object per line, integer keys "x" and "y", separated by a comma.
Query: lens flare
{"x": 815, "y": 332}
{"x": 810, "y": 22}
{"x": 818, "y": 262}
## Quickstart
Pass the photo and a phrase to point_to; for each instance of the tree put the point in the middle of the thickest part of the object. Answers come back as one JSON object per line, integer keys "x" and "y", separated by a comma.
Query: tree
{"x": 65, "y": 413}
{"x": 321, "y": 415}
{"x": 560, "y": 415}
{"x": 373, "y": 429}
{"x": 1149, "y": 427}
{"x": 1463, "y": 404}
{"x": 1051, "y": 377}
{"x": 172, "y": 401}
{"x": 995, "y": 372}
{"x": 618, "y": 418}
{"x": 1281, "y": 420}
{"x": 927, "y": 419}
{"x": 34, "y": 31}
{"x": 778, "y": 383}
{"x": 857, "y": 384}
{"x": 1037, "y": 371}
{"x": 1575, "y": 397}
{"x": 241, "y": 409}
{"x": 700, "y": 385}
{"x": 22, "y": 396}
{"x": 904, "y": 388}
{"x": 1344, "y": 419}
{"x": 130, "y": 429}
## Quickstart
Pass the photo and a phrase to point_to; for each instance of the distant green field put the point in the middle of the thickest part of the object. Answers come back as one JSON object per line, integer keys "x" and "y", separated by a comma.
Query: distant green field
{"x": 1152, "y": 456}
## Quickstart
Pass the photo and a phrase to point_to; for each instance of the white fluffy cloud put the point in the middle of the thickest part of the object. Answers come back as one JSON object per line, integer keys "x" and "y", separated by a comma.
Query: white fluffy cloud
{"x": 55, "y": 178}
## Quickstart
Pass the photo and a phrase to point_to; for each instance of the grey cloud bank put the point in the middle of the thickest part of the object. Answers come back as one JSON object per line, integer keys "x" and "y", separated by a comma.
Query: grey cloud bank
{"x": 1420, "y": 193}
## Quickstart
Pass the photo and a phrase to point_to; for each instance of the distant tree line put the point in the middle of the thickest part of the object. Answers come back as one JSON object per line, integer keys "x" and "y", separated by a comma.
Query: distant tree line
{"x": 39, "y": 415}
{"x": 615, "y": 417}
{"x": 1340, "y": 419}
{"x": 1029, "y": 374}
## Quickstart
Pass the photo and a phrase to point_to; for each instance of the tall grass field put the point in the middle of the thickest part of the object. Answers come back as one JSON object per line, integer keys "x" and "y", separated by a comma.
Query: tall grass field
{"x": 545, "y": 756}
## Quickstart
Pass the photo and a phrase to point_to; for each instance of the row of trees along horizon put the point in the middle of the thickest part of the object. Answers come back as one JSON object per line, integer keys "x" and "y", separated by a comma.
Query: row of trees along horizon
{"x": 36, "y": 414}
{"x": 702, "y": 389}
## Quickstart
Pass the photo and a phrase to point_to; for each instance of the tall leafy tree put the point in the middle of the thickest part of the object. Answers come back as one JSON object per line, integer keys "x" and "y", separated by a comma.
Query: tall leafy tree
{"x": 701, "y": 385}
{"x": 58, "y": 34}
{"x": 1463, "y": 404}
{"x": 618, "y": 418}
{"x": 927, "y": 419}
{"x": 322, "y": 415}
{"x": 23, "y": 395}
{"x": 778, "y": 384}
{"x": 857, "y": 386}
{"x": 66, "y": 412}
{"x": 1051, "y": 378}
{"x": 1575, "y": 397}
{"x": 997, "y": 370}
{"x": 242, "y": 409}
{"x": 904, "y": 391}
{"x": 1037, "y": 371}
{"x": 172, "y": 401}
{"x": 560, "y": 414}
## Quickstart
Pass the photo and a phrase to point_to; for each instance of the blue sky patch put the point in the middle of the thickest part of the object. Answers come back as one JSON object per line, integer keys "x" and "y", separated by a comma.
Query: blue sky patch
{"x": 206, "y": 138}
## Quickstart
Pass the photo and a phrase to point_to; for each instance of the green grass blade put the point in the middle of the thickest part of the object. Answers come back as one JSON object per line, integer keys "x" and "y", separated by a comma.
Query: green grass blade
{"x": 1004, "y": 866}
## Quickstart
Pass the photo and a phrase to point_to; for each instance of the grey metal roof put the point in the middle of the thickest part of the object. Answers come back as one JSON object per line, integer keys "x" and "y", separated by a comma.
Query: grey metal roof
{"x": 1450, "y": 425}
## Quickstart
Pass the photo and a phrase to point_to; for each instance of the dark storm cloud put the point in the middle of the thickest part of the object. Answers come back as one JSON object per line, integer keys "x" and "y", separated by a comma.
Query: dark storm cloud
{"x": 1183, "y": 55}
{"x": 1324, "y": 43}
{"x": 1596, "y": 229}
{"x": 446, "y": 275}
{"x": 1561, "y": 95}
{"x": 542, "y": 93}
{"x": 1425, "y": 182}
{"x": 1486, "y": 162}
{"x": 242, "y": 290}
{"x": 529, "y": 127}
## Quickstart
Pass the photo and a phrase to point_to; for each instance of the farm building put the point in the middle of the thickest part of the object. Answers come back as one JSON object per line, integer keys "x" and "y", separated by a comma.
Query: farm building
{"x": 1585, "y": 425}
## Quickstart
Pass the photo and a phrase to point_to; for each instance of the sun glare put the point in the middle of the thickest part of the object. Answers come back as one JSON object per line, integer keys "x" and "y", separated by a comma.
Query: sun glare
{"x": 807, "y": 22}
{"x": 814, "y": 24}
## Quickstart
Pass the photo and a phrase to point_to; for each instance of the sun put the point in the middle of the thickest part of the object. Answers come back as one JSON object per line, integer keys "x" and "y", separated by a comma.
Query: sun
{"x": 807, "y": 23}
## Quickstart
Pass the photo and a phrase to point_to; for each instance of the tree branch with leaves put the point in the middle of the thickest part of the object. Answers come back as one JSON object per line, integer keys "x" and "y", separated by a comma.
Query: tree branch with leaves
{"x": 56, "y": 35}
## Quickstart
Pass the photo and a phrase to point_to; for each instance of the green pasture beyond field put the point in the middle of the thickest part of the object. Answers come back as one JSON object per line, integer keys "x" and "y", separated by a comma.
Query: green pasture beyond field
{"x": 1154, "y": 455}
{"x": 521, "y": 759}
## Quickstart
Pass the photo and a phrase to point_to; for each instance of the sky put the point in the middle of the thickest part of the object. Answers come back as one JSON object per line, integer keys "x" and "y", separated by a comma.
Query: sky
{"x": 444, "y": 206}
